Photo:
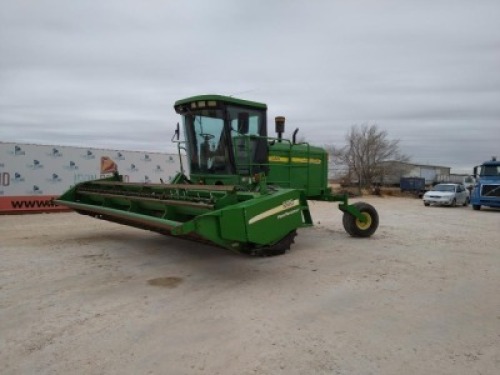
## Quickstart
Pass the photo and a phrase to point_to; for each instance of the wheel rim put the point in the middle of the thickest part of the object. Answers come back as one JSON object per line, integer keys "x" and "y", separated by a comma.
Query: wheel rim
{"x": 367, "y": 224}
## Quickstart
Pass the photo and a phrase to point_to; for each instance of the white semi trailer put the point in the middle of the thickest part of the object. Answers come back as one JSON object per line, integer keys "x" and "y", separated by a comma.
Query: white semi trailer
{"x": 31, "y": 176}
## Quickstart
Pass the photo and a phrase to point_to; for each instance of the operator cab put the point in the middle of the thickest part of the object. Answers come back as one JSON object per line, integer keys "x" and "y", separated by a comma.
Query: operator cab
{"x": 489, "y": 169}
{"x": 225, "y": 137}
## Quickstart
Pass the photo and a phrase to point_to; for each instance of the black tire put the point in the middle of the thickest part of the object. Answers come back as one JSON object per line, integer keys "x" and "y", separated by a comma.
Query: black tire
{"x": 466, "y": 202}
{"x": 476, "y": 207}
{"x": 355, "y": 227}
{"x": 427, "y": 204}
{"x": 454, "y": 203}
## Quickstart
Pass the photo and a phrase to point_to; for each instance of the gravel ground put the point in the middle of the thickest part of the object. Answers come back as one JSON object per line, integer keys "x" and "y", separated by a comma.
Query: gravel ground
{"x": 422, "y": 296}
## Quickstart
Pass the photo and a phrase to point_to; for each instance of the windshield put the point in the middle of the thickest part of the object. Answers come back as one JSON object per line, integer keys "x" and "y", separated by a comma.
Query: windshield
{"x": 442, "y": 187}
{"x": 207, "y": 145}
{"x": 227, "y": 140}
{"x": 490, "y": 170}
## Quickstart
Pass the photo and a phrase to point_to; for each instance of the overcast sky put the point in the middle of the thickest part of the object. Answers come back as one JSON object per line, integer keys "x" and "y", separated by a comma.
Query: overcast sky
{"x": 106, "y": 73}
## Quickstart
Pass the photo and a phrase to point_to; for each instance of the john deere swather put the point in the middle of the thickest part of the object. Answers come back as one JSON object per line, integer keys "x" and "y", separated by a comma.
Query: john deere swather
{"x": 246, "y": 191}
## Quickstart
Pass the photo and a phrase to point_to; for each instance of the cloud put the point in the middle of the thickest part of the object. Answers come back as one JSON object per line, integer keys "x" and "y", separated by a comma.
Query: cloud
{"x": 107, "y": 73}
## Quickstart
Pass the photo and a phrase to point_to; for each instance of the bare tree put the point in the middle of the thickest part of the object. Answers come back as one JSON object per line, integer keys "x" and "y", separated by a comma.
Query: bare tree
{"x": 369, "y": 155}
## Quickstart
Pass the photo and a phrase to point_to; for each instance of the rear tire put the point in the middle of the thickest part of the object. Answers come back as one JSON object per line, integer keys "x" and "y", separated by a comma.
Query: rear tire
{"x": 427, "y": 204}
{"x": 357, "y": 228}
{"x": 476, "y": 207}
{"x": 466, "y": 203}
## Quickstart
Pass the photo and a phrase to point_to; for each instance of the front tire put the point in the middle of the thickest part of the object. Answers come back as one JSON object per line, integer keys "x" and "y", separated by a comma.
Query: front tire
{"x": 279, "y": 248}
{"x": 355, "y": 227}
{"x": 476, "y": 207}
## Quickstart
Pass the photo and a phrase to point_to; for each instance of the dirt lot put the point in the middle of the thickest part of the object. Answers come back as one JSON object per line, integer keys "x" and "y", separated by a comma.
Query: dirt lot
{"x": 422, "y": 296}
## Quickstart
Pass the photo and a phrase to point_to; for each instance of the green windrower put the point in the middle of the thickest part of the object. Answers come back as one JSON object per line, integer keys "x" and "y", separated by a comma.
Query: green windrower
{"x": 245, "y": 191}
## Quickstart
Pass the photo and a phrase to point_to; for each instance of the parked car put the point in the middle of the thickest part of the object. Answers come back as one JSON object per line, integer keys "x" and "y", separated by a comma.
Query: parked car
{"x": 447, "y": 194}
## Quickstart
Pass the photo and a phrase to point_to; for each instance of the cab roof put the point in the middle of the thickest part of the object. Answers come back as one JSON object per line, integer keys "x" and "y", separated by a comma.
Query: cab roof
{"x": 221, "y": 98}
{"x": 493, "y": 162}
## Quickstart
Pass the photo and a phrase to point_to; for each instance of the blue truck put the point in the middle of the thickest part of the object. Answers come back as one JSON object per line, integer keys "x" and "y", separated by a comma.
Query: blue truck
{"x": 486, "y": 191}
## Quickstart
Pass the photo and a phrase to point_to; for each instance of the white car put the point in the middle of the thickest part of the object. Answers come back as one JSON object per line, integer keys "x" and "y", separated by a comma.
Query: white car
{"x": 447, "y": 194}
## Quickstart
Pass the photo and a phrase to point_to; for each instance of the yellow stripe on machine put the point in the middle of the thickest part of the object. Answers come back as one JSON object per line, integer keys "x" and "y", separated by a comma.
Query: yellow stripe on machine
{"x": 283, "y": 159}
{"x": 305, "y": 160}
{"x": 275, "y": 210}
{"x": 278, "y": 159}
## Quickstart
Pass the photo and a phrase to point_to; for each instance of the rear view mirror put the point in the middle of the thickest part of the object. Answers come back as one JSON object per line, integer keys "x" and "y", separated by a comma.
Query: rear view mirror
{"x": 177, "y": 133}
{"x": 243, "y": 122}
